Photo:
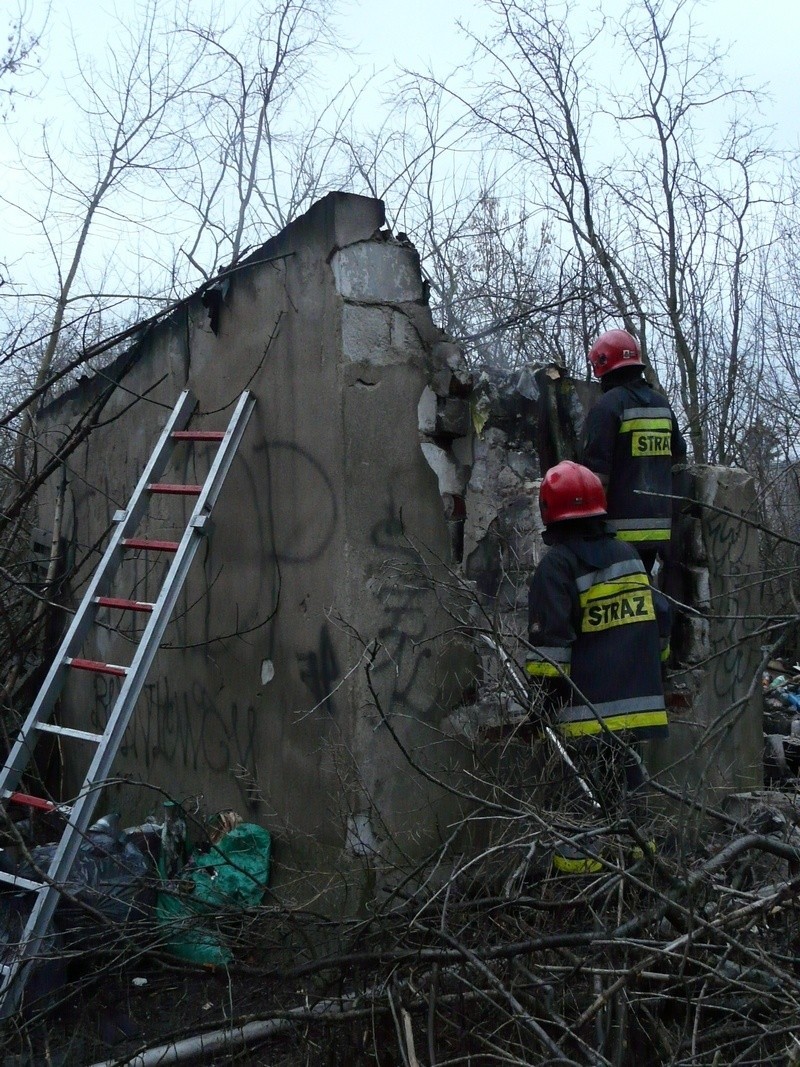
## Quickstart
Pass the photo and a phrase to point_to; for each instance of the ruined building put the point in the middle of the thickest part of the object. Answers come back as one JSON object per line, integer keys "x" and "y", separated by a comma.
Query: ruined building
{"x": 322, "y": 673}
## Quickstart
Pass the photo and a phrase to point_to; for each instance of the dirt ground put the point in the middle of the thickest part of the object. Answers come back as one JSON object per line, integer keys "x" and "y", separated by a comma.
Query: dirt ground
{"x": 111, "y": 1017}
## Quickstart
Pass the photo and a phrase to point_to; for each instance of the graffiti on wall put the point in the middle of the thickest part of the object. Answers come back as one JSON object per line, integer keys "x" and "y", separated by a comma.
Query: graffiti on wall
{"x": 734, "y": 602}
{"x": 319, "y": 671}
{"x": 185, "y": 729}
{"x": 405, "y": 605}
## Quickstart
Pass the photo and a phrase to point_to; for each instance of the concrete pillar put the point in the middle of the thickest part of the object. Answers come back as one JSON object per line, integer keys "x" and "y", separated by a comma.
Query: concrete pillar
{"x": 716, "y": 731}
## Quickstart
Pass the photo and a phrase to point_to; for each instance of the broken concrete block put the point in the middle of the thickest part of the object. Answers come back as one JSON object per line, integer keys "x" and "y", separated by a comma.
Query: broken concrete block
{"x": 701, "y": 587}
{"x": 524, "y": 465}
{"x": 377, "y": 272}
{"x": 450, "y": 353}
{"x": 462, "y": 449}
{"x": 403, "y": 336}
{"x": 507, "y": 481}
{"x": 696, "y": 547}
{"x": 451, "y": 477}
{"x": 366, "y": 336}
{"x": 698, "y": 645}
{"x": 426, "y": 412}
{"x": 377, "y": 335}
{"x": 453, "y": 418}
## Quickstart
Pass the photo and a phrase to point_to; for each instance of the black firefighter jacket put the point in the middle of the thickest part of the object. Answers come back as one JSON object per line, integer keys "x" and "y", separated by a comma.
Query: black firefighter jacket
{"x": 632, "y": 438}
{"x": 598, "y": 637}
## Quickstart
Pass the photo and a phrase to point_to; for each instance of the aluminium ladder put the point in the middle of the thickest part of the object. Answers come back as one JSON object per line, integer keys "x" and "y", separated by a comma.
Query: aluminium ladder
{"x": 45, "y": 893}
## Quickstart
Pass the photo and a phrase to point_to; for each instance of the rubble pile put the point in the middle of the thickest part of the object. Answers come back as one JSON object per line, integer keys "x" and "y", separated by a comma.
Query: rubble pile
{"x": 781, "y": 687}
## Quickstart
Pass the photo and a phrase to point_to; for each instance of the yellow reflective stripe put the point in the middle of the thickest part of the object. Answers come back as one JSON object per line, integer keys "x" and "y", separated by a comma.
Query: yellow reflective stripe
{"x": 573, "y": 866}
{"x": 643, "y": 535}
{"x": 665, "y": 653}
{"x": 628, "y": 582}
{"x": 540, "y": 669}
{"x": 650, "y": 425}
{"x": 635, "y": 721}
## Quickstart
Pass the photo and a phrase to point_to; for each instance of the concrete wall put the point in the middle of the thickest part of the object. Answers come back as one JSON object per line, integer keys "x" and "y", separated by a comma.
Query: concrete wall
{"x": 717, "y": 743}
{"x": 363, "y": 527}
{"x": 326, "y": 539}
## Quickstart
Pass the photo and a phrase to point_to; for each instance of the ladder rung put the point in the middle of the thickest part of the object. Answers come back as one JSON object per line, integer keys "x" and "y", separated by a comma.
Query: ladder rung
{"x": 67, "y": 731}
{"x": 171, "y": 489}
{"x": 151, "y": 546}
{"x": 31, "y": 801}
{"x": 198, "y": 435}
{"x": 96, "y": 666}
{"x": 22, "y": 883}
{"x": 123, "y": 605}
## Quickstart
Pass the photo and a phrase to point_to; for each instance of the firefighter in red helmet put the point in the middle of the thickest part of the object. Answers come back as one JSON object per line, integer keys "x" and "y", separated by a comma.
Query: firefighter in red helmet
{"x": 632, "y": 442}
{"x": 597, "y": 637}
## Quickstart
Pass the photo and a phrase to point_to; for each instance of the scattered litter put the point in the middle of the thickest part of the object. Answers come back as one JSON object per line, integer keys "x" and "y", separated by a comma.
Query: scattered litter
{"x": 781, "y": 688}
{"x": 213, "y": 888}
{"x": 124, "y": 876}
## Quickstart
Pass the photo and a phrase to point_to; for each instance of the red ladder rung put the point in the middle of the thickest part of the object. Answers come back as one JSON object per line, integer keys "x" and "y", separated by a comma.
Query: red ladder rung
{"x": 32, "y": 802}
{"x": 167, "y": 489}
{"x": 151, "y": 546}
{"x": 123, "y": 605}
{"x": 96, "y": 667}
{"x": 198, "y": 435}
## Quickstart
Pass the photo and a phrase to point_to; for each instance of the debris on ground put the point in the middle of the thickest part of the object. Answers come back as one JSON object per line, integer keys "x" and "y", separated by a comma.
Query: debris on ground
{"x": 126, "y": 883}
{"x": 781, "y": 688}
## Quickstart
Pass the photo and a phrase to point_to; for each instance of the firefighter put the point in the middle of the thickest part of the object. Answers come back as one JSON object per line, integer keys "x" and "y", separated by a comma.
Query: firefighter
{"x": 632, "y": 442}
{"x": 597, "y": 633}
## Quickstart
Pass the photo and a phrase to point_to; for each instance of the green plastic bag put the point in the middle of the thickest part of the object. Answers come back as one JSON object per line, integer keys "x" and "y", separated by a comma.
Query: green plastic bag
{"x": 231, "y": 875}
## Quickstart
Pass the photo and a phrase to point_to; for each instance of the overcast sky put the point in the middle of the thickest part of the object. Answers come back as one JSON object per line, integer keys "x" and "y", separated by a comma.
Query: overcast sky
{"x": 763, "y": 36}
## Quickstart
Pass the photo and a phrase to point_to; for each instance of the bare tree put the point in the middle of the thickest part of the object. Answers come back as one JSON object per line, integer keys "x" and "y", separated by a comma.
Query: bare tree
{"x": 21, "y": 46}
{"x": 666, "y": 221}
{"x": 267, "y": 147}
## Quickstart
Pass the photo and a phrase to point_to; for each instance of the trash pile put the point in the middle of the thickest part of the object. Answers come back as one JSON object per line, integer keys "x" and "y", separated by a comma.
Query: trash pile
{"x": 781, "y": 687}
{"x": 146, "y": 882}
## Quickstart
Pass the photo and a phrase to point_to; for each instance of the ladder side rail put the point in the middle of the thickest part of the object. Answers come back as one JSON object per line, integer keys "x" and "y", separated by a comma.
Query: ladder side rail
{"x": 19, "y": 756}
{"x": 123, "y": 707}
{"x": 14, "y": 980}
{"x": 40, "y": 918}
{"x": 84, "y": 806}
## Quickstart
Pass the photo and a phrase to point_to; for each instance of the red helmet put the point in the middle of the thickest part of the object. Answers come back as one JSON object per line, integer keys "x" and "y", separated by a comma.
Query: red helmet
{"x": 614, "y": 349}
{"x": 570, "y": 491}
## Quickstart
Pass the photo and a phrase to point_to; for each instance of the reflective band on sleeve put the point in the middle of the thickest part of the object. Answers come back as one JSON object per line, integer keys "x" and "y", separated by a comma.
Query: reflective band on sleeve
{"x": 551, "y": 662}
{"x": 546, "y": 670}
{"x": 606, "y": 708}
{"x": 665, "y": 651}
